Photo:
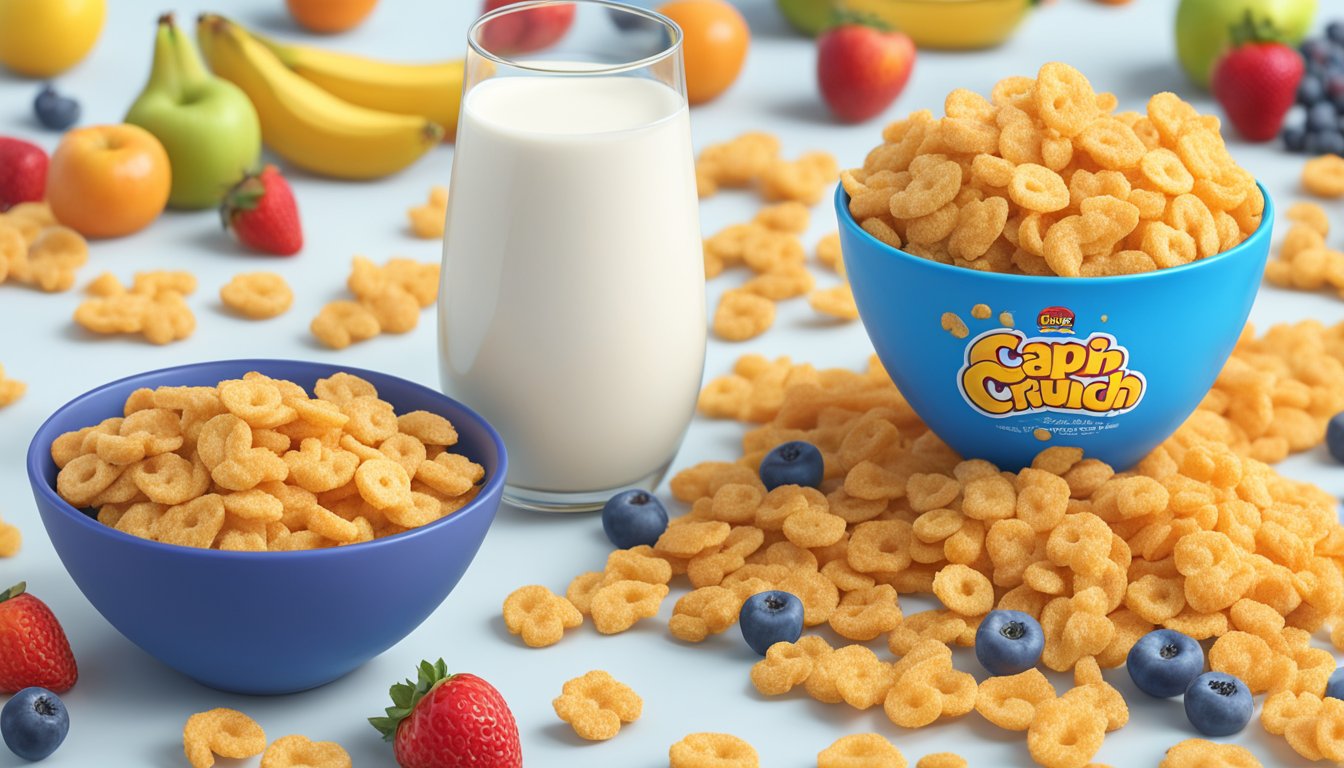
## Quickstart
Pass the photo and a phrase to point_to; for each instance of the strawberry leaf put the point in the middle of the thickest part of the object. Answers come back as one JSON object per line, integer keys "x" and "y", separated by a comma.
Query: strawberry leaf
{"x": 13, "y": 591}
{"x": 406, "y": 695}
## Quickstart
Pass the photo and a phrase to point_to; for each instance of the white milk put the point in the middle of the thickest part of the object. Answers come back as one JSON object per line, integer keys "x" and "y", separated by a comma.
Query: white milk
{"x": 572, "y": 313}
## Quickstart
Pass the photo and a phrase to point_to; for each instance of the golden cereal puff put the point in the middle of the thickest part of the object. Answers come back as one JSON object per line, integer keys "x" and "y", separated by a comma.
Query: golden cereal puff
{"x": 712, "y": 750}
{"x": 224, "y": 732}
{"x": 1201, "y": 753}
{"x": 596, "y": 705}
{"x": 741, "y": 316}
{"x": 539, "y": 616}
{"x": 942, "y": 760}
{"x": 299, "y": 752}
{"x": 257, "y": 295}
{"x": 861, "y": 750}
{"x": 342, "y": 323}
{"x": 618, "y": 606}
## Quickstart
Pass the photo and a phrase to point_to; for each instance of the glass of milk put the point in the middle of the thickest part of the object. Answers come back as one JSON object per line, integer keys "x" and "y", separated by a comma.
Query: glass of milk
{"x": 572, "y": 310}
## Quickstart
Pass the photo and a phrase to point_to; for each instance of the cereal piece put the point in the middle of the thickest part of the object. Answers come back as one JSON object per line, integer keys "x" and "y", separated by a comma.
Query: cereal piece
{"x": 742, "y": 315}
{"x": 861, "y": 750}
{"x": 954, "y": 325}
{"x": 539, "y": 616}
{"x": 1065, "y": 735}
{"x": 54, "y": 257}
{"x": 864, "y": 614}
{"x": 1038, "y": 189}
{"x": 1324, "y": 176}
{"x": 427, "y": 220}
{"x": 964, "y": 590}
{"x": 1310, "y": 215}
{"x": 341, "y": 323}
{"x": 11, "y": 539}
{"x": 981, "y": 311}
{"x": 942, "y": 760}
{"x": 785, "y": 666}
{"x": 691, "y": 538}
{"x": 837, "y": 302}
{"x": 738, "y": 162}
{"x": 193, "y": 524}
{"x": 790, "y": 216}
{"x": 804, "y": 180}
{"x": 1010, "y": 701}
{"x": 712, "y": 750}
{"x": 224, "y": 732}
{"x": 1201, "y": 753}
{"x": 618, "y": 606}
{"x": 829, "y": 254}
{"x": 781, "y": 283}
{"x": 10, "y": 389}
{"x": 257, "y": 295}
{"x": 596, "y": 704}
{"x": 299, "y": 752}
{"x": 583, "y": 587}
{"x": 703, "y": 612}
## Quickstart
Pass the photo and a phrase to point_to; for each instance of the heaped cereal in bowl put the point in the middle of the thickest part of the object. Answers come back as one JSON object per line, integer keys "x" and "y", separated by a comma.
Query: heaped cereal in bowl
{"x": 1045, "y": 178}
{"x": 256, "y": 464}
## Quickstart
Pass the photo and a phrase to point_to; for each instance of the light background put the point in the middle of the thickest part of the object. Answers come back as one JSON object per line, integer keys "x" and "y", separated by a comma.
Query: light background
{"x": 127, "y": 710}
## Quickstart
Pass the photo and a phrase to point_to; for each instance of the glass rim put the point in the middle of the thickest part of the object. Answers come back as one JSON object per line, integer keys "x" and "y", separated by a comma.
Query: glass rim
{"x": 674, "y": 34}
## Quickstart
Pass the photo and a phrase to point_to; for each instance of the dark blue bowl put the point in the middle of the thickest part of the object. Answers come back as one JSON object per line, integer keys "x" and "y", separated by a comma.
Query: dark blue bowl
{"x": 1112, "y": 365}
{"x": 266, "y": 622}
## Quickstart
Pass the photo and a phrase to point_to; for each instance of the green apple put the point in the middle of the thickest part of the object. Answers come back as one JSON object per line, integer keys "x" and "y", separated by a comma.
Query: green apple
{"x": 1203, "y": 28}
{"x": 207, "y": 125}
{"x": 808, "y": 16}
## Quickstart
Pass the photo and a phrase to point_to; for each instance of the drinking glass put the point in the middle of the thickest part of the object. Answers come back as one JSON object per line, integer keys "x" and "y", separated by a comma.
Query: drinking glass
{"x": 572, "y": 309}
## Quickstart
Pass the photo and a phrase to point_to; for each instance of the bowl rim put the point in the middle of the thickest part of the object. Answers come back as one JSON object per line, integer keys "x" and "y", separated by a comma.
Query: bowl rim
{"x": 847, "y": 222}
{"x": 39, "y": 451}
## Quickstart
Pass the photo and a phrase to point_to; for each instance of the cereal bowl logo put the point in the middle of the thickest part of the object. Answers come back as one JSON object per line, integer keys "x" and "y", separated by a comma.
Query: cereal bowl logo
{"x": 1008, "y": 374}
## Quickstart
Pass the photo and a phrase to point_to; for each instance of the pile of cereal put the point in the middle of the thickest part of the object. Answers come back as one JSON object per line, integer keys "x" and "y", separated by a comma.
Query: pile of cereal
{"x": 752, "y": 160}
{"x": 155, "y": 306}
{"x": 255, "y": 464}
{"x": 1197, "y": 537}
{"x": 1044, "y": 178}
{"x": 1303, "y": 262}
{"x": 10, "y": 389}
{"x": 36, "y": 250}
{"x": 388, "y": 300}
{"x": 231, "y": 734}
{"x": 428, "y": 220}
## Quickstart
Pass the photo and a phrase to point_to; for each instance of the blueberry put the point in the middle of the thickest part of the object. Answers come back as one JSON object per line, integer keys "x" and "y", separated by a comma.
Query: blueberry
{"x": 1335, "y": 688}
{"x": 1163, "y": 662}
{"x": 792, "y": 463}
{"x": 1295, "y": 138}
{"x": 1329, "y": 141}
{"x": 1334, "y": 436}
{"x": 1335, "y": 31}
{"x": 1322, "y": 116}
{"x": 1008, "y": 642}
{"x": 1218, "y": 704}
{"x": 34, "y": 723}
{"x": 1316, "y": 51}
{"x": 55, "y": 111}
{"x": 631, "y": 518}
{"x": 771, "y": 617}
{"x": 1310, "y": 90}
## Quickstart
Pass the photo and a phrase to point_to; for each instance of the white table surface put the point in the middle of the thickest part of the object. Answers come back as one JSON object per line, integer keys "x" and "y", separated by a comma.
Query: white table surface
{"x": 127, "y": 709}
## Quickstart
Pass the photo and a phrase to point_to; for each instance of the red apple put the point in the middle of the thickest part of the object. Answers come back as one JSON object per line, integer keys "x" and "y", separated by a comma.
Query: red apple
{"x": 525, "y": 31}
{"x": 862, "y": 70}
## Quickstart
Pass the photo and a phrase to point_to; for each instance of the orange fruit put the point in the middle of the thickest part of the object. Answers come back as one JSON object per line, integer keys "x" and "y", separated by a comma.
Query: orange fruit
{"x": 715, "y": 44}
{"x": 108, "y": 180}
{"x": 330, "y": 15}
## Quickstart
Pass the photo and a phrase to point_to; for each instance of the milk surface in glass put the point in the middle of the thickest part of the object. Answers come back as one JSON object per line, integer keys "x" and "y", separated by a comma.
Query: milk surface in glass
{"x": 573, "y": 306}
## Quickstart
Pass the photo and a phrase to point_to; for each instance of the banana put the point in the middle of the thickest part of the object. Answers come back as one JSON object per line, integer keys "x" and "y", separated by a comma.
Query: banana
{"x": 305, "y": 124}
{"x": 429, "y": 90}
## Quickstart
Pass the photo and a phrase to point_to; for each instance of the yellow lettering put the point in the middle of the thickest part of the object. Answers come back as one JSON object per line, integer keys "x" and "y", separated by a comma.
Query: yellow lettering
{"x": 1069, "y": 358}
{"x": 1036, "y": 358}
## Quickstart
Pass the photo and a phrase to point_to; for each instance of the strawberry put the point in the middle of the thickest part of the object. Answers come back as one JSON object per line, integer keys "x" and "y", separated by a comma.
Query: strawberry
{"x": 262, "y": 213}
{"x": 23, "y": 173}
{"x": 33, "y": 647}
{"x": 1256, "y": 81}
{"x": 528, "y": 30}
{"x": 861, "y": 70}
{"x": 450, "y": 721}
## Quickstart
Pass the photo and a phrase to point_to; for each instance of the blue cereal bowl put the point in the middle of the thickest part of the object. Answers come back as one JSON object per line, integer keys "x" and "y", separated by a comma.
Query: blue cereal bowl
{"x": 266, "y": 622}
{"x": 1112, "y": 365}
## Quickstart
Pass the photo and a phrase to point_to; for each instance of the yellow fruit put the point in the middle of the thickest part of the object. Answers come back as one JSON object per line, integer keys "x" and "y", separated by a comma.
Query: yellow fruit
{"x": 41, "y": 38}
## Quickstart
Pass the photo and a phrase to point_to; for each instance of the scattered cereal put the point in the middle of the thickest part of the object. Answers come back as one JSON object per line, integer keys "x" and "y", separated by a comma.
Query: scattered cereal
{"x": 981, "y": 311}
{"x": 739, "y": 162}
{"x": 861, "y": 750}
{"x": 742, "y": 315}
{"x": 36, "y": 251}
{"x": 1006, "y": 319}
{"x": 1045, "y": 179}
{"x": 953, "y": 324}
{"x": 155, "y": 306}
{"x": 596, "y": 704}
{"x": 11, "y": 539}
{"x": 388, "y": 300}
{"x": 255, "y": 464}
{"x": 829, "y": 254}
{"x": 10, "y": 389}
{"x": 1201, "y": 753}
{"x": 1324, "y": 176}
{"x": 805, "y": 180}
{"x": 712, "y": 750}
{"x": 942, "y": 760}
{"x": 1042, "y": 434}
{"x": 427, "y": 220}
{"x": 224, "y": 732}
{"x": 837, "y": 302}
{"x": 257, "y": 295}
{"x": 539, "y": 616}
{"x": 299, "y": 752}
